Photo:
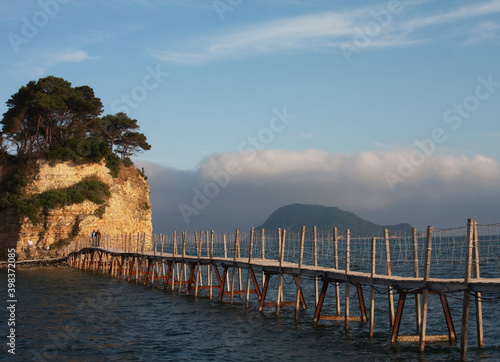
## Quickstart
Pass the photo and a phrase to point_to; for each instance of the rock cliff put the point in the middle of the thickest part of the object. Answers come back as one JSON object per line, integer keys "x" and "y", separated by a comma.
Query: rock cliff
{"x": 127, "y": 210}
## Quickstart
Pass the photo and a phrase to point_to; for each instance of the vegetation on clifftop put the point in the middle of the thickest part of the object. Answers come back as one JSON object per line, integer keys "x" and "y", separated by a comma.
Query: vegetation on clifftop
{"x": 51, "y": 120}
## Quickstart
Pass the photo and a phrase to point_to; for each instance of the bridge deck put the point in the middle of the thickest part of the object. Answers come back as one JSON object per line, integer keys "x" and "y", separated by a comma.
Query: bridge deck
{"x": 329, "y": 274}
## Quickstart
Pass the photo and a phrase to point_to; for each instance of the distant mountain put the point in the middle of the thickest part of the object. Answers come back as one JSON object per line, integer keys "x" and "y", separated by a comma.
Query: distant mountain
{"x": 293, "y": 217}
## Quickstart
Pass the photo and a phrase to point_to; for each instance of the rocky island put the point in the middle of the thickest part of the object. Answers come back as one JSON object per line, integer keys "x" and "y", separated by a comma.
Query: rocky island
{"x": 65, "y": 171}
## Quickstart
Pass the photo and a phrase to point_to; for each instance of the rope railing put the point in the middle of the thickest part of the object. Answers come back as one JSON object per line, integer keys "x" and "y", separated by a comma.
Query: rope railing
{"x": 322, "y": 248}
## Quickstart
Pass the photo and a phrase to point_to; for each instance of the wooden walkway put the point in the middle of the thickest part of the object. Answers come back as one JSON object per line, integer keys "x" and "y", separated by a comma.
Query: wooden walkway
{"x": 222, "y": 277}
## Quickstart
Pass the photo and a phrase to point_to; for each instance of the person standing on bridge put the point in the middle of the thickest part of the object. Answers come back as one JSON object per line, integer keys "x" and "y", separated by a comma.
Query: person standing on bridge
{"x": 97, "y": 238}
{"x": 92, "y": 237}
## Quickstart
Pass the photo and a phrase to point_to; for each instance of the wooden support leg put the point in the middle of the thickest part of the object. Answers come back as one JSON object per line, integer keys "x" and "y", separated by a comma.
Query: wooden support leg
{"x": 255, "y": 283}
{"x": 170, "y": 274}
{"x": 361, "y": 300}
{"x": 192, "y": 277}
{"x": 218, "y": 276}
{"x": 110, "y": 271}
{"x": 264, "y": 291}
{"x": 321, "y": 299}
{"x": 131, "y": 269}
{"x": 223, "y": 283}
{"x": 399, "y": 314}
{"x": 120, "y": 267}
{"x": 148, "y": 270}
{"x": 301, "y": 295}
{"x": 447, "y": 315}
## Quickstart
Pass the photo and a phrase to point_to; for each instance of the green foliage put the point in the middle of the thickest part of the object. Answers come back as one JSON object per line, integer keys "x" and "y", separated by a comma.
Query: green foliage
{"x": 99, "y": 212}
{"x": 87, "y": 150}
{"x": 47, "y": 113}
{"x": 90, "y": 189}
{"x": 142, "y": 173}
{"x": 113, "y": 163}
{"x": 51, "y": 119}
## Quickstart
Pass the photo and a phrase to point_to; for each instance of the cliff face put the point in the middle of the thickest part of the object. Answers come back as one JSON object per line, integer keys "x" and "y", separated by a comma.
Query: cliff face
{"x": 126, "y": 211}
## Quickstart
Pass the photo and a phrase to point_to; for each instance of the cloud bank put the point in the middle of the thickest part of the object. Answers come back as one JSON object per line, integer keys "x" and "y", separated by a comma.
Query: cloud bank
{"x": 240, "y": 190}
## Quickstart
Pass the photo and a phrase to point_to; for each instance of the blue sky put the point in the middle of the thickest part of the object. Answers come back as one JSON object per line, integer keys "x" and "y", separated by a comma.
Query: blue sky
{"x": 388, "y": 103}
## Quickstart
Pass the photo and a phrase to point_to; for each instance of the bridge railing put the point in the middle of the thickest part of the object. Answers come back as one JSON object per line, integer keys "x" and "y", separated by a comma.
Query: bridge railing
{"x": 402, "y": 254}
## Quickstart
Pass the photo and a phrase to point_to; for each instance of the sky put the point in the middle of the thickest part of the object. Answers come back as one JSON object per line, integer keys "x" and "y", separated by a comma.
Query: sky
{"x": 388, "y": 109}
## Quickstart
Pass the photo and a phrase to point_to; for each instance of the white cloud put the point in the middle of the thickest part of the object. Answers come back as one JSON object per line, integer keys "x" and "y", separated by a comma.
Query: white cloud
{"x": 464, "y": 12}
{"x": 241, "y": 190}
{"x": 67, "y": 56}
{"x": 326, "y": 31}
{"x": 482, "y": 31}
{"x": 38, "y": 66}
{"x": 276, "y": 35}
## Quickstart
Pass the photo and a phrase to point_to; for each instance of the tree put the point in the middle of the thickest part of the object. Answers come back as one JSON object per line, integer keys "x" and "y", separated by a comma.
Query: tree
{"x": 131, "y": 143}
{"x": 47, "y": 113}
{"x": 113, "y": 127}
{"x": 51, "y": 119}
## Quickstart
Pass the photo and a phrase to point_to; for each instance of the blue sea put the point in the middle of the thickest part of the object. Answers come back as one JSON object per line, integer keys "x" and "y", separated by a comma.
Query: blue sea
{"x": 65, "y": 314}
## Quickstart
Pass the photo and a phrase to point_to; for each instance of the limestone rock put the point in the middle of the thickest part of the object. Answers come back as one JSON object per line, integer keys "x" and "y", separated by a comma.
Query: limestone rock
{"x": 127, "y": 211}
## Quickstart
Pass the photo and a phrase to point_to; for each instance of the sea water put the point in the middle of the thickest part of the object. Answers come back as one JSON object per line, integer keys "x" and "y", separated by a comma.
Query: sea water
{"x": 65, "y": 314}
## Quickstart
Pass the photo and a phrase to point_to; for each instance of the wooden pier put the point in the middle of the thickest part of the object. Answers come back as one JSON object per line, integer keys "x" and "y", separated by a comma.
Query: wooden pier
{"x": 228, "y": 269}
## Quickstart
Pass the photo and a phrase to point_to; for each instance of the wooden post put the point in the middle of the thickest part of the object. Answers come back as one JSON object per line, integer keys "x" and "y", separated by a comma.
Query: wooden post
{"x": 225, "y": 256}
{"x": 389, "y": 273}
{"x": 336, "y": 266}
{"x": 236, "y": 247}
{"x": 155, "y": 244}
{"x": 372, "y": 292}
{"x": 176, "y": 265}
{"x": 183, "y": 264}
{"x": 281, "y": 241}
{"x": 198, "y": 243}
{"x": 210, "y": 283}
{"x": 347, "y": 251}
{"x": 263, "y": 251}
{"x": 240, "y": 285}
{"x": 249, "y": 267}
{"x": 479, "y": 308}
{"x": 315, "y": 252}
{"x": 425, "y": 292}
{"x": 466, "y": 302}
{"x": 418, "y": 304}
{"x": 298, "y": 280}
